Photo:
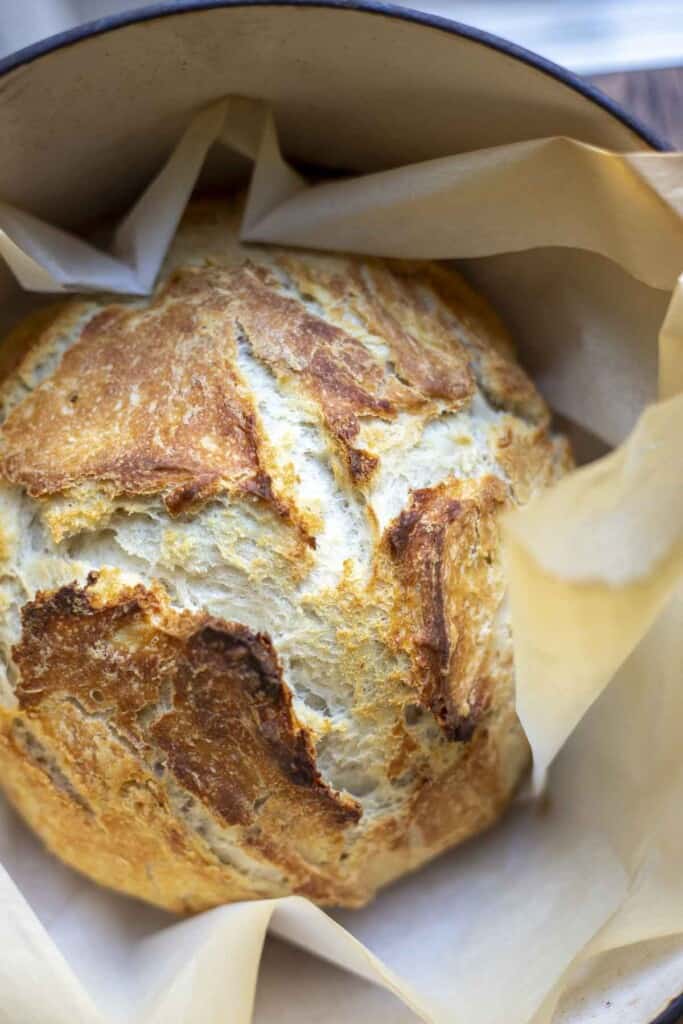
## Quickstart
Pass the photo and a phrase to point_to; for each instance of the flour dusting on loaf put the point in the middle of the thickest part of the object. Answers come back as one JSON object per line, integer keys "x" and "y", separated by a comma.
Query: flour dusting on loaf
{"x": 254, "y": 632}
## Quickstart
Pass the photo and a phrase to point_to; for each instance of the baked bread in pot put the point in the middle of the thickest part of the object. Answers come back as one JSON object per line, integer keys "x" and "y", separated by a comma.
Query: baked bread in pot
{"x": 254, "y": 630}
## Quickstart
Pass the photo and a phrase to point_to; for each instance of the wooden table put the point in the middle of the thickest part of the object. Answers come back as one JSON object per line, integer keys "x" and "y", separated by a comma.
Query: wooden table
{"x": 654, "y": 97}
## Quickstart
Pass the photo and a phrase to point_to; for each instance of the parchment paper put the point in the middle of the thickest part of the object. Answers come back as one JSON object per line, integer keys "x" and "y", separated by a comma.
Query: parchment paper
{"x": 495, "y": 930}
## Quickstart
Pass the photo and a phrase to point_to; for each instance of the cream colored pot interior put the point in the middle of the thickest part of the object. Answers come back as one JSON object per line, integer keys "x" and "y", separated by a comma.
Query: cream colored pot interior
{"x": 82, "y": 127}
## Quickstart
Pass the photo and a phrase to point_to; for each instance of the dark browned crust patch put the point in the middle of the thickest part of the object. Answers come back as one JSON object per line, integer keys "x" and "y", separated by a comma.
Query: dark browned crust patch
{"x": 195, "y": 696}
{"x": 442, "y": 547}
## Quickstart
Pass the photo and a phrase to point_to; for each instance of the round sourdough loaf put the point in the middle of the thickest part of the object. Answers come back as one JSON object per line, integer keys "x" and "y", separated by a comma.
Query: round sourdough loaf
{"x": 254, "y": 631}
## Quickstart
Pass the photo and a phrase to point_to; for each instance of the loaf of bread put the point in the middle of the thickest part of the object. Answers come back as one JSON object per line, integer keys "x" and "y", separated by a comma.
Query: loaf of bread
{"x": 254, "y": 631}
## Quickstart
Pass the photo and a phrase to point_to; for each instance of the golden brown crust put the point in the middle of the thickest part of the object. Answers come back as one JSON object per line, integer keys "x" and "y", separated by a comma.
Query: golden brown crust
{"x": 115, "y": 822}
{"x": 147, "y": 401}
{"x": 134, "y": 842}
{"x": 335, "y": 370}
{"x": 443, "y": 547}
{"x": 424, "y": 353}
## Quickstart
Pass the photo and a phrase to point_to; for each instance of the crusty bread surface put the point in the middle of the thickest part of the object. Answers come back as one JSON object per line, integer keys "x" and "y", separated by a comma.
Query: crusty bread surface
{"x": 254, "y": 632}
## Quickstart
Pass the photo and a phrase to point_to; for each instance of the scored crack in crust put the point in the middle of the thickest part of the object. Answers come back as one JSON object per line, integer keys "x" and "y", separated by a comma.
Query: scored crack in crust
{"x": 254, "y": 631}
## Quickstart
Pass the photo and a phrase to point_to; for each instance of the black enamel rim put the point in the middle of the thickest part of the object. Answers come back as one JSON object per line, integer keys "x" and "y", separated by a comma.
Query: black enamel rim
{"x": 547, "y": 67}
{"x": 674, "y": 1011}
{"x": 672, "y": 1014}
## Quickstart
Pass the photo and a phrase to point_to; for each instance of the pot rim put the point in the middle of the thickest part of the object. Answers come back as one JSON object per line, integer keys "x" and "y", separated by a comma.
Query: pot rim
{"x": 112, "y": 22}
